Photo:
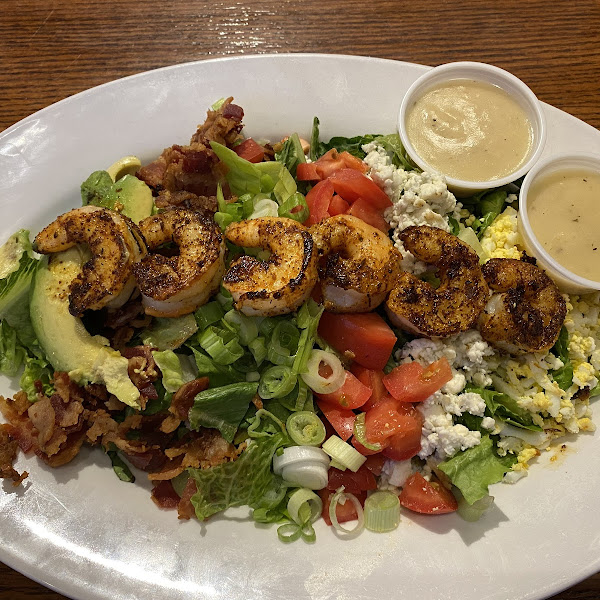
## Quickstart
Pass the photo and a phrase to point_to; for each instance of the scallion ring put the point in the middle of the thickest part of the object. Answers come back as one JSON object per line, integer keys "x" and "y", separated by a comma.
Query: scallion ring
{"x": 304, "y": 506}
{"x": 360, "y": 433}
{"x": 326, "y": 383}
{"x": 305, "y": 428}
{"x": 341, "y": 497}
{"x": 289, "y": 532}
{"x": 382, "y": 511}
{"x": 276, "y": 382}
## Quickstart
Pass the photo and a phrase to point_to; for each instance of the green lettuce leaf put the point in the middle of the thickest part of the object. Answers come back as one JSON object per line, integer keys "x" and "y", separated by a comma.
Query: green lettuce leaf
{"x": 222, "y": 408}
{"x": 473, "y": 470}
{"x": 238, "y": 483}
{"x": 172, "y": 372}
{"x": 12, "y": 353}
{"x": 502, "y": 406}
{"x": 291, "y": 154}
{"x": 169, "y": 334}
{"x": 564, "y": 375}
{"x": 393, "y": 145}
{"x": 37, "y": 369}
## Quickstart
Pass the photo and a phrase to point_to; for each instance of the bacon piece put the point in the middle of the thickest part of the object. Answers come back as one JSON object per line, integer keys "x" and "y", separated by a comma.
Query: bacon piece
{"x": 206, "y": 204}
{"x": 185, "y": 508}
{"x": 8, "y": 453}
{"x": 164, "y": 495}
{"x": 150, "y": 460}
{"x": 222, "y": 126}
{"x": 183, "y": 399}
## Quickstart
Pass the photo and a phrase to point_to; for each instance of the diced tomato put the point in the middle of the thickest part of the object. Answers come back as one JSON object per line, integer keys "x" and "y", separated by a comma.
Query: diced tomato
{"x": 352, "y": 185}
{"x": 341, "y": 419}
{"x": 318, "y": 200}
{"x": 411, "y": 382}
{"x": 375, "y": 463}
{"x": 429, "y": 498}
{"x": 354, "y": 483}
{"x": 389, "y": 418}
{"x": 366, "y": 336}
{"x": 407, "y": 442}
{"x": 374, "y": 380}
{"x": 344, "y": 512}
{"x": 364, "y": 451}
{"x": 250, "y": 150}
{"x": 333, "y": 161}
{"x": 353, "y": 162}
{"x": 373, "y": 216}
{"x": 338, "y": 206}
{"x": 351, "y": 394}
{"x": 307, "y": 172}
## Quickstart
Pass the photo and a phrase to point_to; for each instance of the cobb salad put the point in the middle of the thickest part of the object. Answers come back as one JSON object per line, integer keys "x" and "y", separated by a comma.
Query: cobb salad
{"x": 280, "y": 331}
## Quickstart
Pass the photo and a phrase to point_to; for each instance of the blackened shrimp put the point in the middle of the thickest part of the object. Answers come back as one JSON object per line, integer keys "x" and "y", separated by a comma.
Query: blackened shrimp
{"x": 360, "y": 264}
{"x": 280, "y": 284}
{"x": 172, "y": 286}
{"x": 526, "y": 310}
{"x": 418, "y": 307}
{"x": 115, "y": 244}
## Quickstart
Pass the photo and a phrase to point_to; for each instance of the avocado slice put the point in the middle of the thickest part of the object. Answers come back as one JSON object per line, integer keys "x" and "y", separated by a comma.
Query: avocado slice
{"x": 129, "y": 195}
{"x": 66, "y": 342}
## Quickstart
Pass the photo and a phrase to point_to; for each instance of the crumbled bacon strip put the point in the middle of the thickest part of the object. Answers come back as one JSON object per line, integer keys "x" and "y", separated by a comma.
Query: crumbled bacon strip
{"x": 164, "y": 495}
{"x": 8, "y": 453}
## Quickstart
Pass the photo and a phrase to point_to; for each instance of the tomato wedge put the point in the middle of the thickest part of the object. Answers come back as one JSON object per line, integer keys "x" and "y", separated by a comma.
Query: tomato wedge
{"x": 338, "y": 206}
{"x": 344, "y": 512}
{"x": 250, "y": 150}
{"x": 366, "y": 336}
{"x": 318, "y": 200}
{"x": 389, "y": 418}
{"x": 374, "y": 380}
{"x": 352, "y": 185}
{"x": 427, "y": 497}
{"x": 365, "y": 211}
{"x": 351, "y": 394}
{"x": 307, "y": 172}
{"x": 411, "y": 382}
{"x": 375, "y": 463}
{"x": 354, "y": 483}
{"x": 341, "y": 419}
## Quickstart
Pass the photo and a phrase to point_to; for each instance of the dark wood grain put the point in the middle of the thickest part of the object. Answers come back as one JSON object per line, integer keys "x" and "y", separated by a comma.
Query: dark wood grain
{"x": 55, "y": 48}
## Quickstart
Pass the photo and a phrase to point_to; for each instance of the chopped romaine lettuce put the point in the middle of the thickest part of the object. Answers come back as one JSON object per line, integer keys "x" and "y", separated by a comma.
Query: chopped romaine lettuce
{"x": 169, "y": 334}
{"x": 222, "y": 408}
{"x": 239, "y": 483}
{"x": 37, "y": 369}
{"x": 564, "y": 375}
{"x": 473, "y": 470}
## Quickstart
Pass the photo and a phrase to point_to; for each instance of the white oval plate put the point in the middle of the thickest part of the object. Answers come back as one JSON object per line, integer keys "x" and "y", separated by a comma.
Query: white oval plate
{"x": 81, "y": 531}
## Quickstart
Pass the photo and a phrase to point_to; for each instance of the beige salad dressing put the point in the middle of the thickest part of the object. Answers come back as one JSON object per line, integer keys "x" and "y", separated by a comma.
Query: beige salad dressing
{"x": 470, "y": 130}
{"x": 564, "y": 213}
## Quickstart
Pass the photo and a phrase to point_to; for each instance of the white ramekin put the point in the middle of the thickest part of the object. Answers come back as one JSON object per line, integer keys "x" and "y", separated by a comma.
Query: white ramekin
{"x": 489, "y": 74}
{"x": 565, "y": 279}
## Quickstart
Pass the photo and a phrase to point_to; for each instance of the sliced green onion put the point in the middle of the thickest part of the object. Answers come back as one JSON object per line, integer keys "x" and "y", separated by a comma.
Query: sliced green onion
{"x": 261, "y": 412}
{"x": 382, "y": 511}
{"x": 283, "y": 344}
{"x": 246, "y": 327}
{"x": 289, "y": 532}
{"x": 344, "y": 453}
{"x": 225, "y": 299}
{"x": 334, "y": 464}
{"x": 308, "y": 533}
{"x": 258, "y": 347}
{"x": 305, "y": 428}
{"x": 222, "y": 346}
{"x": 361, "y": 435}
{"x": 276, "y": 382}
{"x": 473, "y": 512}
{"x": 253, "y": 376}
{"x": 341, "y": 497}
{"x": 209, "y": 314}
{"x": 304, "y": 506}
{"x": 319, "y": 383}
{"x": 299, "y": 399}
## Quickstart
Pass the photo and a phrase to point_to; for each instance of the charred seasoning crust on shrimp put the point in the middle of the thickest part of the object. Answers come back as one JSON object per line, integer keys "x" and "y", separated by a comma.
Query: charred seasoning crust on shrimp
{"x": 455, "y": 305}
{"x": 527, "y": 311}
{"x": 175, "y": 278}
{"x": 281, "y": 283}
{"x": 115, "y": 243}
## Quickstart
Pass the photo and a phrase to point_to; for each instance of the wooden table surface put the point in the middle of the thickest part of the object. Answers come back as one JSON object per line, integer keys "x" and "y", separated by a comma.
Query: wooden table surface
{"x": 51, "y": 49}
